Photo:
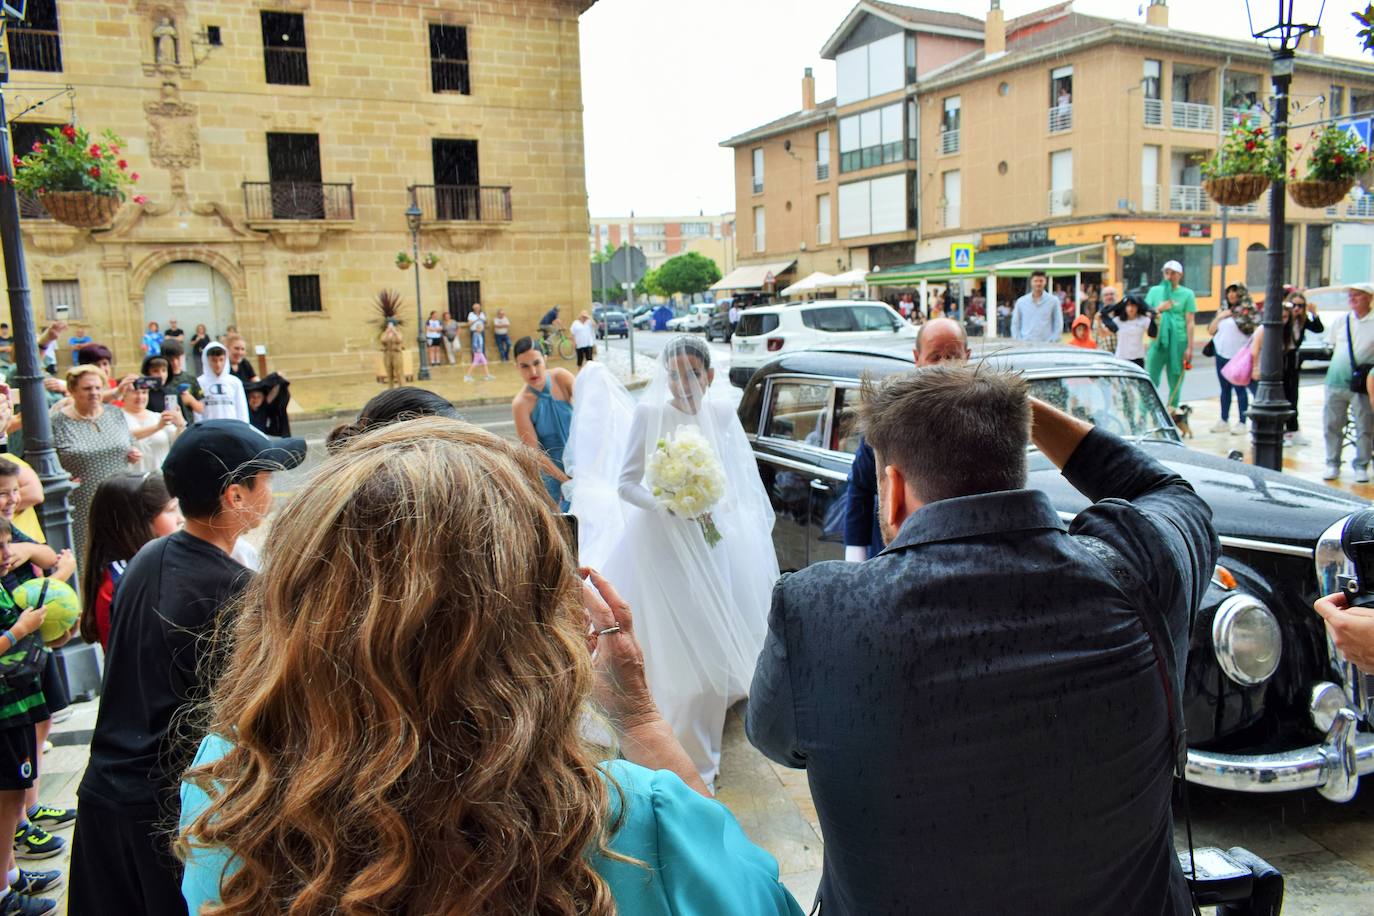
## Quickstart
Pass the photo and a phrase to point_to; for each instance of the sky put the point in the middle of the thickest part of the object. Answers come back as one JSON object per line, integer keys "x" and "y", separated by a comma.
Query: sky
{"x": 664, "y": 81}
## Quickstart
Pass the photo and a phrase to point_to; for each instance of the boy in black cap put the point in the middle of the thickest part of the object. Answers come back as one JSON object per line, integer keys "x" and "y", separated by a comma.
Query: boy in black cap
{"x": 160, "y": 662}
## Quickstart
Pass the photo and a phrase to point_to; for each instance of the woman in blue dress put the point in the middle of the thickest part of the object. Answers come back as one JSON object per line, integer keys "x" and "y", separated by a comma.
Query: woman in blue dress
{"x": 408, "y": 738}
{"x": 543, "y": 413}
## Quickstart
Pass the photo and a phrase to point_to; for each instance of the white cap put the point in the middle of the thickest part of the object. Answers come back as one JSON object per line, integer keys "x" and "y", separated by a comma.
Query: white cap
{"x": 1362, "y": 287}
{"x": 1174, "y": 266}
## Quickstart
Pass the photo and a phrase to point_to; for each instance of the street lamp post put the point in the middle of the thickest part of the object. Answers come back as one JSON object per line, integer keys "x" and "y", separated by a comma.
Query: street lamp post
{"x": 38, "y": 449}
{"x": 1270, "y": 408}
{"x": 413, "y": 217}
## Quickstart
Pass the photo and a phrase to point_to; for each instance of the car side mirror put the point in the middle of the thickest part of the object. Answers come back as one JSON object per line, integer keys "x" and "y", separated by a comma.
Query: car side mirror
{"x": 1236, "y": 455}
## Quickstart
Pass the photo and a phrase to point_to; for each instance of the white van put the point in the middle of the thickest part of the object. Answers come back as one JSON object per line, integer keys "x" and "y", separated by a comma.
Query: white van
{"x": 765, "y": 331}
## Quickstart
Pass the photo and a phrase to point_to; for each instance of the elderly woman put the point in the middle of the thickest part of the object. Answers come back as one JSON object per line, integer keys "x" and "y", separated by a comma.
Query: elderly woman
{"x": 387, "y": 740}
{"x": 93, "y": 443}
{"x": 153, "y": 431}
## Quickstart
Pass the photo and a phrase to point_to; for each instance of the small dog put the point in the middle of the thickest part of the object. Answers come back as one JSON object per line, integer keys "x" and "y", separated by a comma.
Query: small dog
{"x": 1180, "y": 416}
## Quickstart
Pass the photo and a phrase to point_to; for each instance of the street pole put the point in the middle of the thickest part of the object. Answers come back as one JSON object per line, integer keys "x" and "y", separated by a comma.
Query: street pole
{"x": 423, "y": 374}
{"x": 1270, "y": 408}
{"x": 54, "y": 511}
{"x": 630, "y": 311}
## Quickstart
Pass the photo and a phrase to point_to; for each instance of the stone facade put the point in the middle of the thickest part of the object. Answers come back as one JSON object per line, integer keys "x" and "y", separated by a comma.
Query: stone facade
{"x": 195, "y": 115}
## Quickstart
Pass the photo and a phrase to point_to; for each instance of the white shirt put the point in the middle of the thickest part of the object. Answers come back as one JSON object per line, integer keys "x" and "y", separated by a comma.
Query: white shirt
{"x": 1042, "y": 319}
{"x": 584, "y": 333}
{"x": 1229, "y": 339}
{"x": 477, "y": 322}
{"x": 502, "y": 324}
{"x": 224, "y": 398}
{"x": 1130, "y": 337}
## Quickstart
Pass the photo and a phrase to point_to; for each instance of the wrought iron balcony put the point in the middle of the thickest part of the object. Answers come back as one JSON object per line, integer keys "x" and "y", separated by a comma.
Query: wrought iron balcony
{"x": 34, "y": 49}
{"x": 287, "y": 66}
{"x": 462, "y": 203}
{"x": 447, "y": 75}
{"x": 297, "y": 200}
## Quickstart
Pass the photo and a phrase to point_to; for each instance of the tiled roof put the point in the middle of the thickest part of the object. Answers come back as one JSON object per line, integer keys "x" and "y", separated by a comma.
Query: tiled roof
{"x": 822, "y": 111}
{"x": 930, "y": 17}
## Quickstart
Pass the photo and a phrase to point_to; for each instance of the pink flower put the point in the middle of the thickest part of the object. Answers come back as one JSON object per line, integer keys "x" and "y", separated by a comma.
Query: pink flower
{"x": 1297, "y": 147}
{"x": 1292, "y": 173}
{"x": 140, "y": 199}
{"x": 37, "y": 147}
{"x": 133, "y": 177}
{"x": 115, "y": 150}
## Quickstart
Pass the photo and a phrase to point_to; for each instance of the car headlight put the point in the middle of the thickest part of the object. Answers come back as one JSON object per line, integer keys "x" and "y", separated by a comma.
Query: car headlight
{"x": 1247, "y": 640}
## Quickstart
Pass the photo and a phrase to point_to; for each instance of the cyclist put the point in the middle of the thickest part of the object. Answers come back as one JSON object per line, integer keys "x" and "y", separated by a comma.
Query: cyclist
{"x": 549, "y": 322}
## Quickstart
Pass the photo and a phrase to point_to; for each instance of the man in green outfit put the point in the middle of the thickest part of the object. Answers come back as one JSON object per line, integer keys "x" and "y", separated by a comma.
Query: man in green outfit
{"x": 1173, "y": 348}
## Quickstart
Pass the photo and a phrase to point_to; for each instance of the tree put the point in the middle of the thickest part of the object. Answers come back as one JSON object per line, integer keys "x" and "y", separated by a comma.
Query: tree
{"x": 650, "y": 285}
{"x": 689, "y": 274}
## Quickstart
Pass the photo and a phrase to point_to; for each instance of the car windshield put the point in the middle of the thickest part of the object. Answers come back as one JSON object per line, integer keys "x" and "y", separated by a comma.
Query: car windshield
{"x": 1119, "y": 404}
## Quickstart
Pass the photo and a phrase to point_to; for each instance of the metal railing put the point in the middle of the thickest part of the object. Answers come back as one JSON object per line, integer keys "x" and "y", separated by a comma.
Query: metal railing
{"x": 822, "y": 171}
{"x": 950, "y": 215}
{"x": 1149, "y": 198}
{"x": 823, "y": 233}
{"x": 758, "y": 185}
{"x": 1154, "y": 112}
{"x": 1061, "y": 201}
{"x": 1192, "y": 116}
{"x": 264, "y": 200}
{"x": 462, "y": 203}
{"x": 31, "y": 207}
{"x": 449, "y": 75}
{"x": 949, "y": 142}
{"x": 1233, "y": 117}
{"x": 35, "y": 49}
{"x": 1361, "y": 206}
{"x": 1188, "y": 198}
{"x": 287, "y": 66}
{"x": 1061, "y": 118}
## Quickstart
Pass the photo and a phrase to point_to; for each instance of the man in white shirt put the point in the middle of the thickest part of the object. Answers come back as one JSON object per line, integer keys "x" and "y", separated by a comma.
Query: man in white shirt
{"x": 1352, "y": 335}
{"x": 1038, "y": 315}
{"x": 224, "y": 397}
{"x": 584, "y": 338}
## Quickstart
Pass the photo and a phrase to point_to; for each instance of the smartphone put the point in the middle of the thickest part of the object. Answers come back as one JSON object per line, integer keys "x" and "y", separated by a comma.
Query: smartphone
{"x": 60, "y": 312}
{"x": 570, "y": 530}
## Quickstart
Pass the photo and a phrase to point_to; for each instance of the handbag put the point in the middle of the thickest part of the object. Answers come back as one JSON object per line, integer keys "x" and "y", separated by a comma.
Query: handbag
{"x": 1238, "y": 369}
{"x": 1209, "y": 348}
{"x": 22, "y": 666}
{"x": 1359, "y": 375}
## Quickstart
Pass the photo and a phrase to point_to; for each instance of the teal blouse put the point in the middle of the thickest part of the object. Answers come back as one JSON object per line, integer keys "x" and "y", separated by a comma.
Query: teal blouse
{"x": 697, "y": 860}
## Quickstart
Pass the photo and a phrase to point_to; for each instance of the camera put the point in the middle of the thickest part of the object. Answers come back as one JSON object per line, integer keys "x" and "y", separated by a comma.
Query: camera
{"x": 1357, "y": 540}
{"x": 147, "y": 383}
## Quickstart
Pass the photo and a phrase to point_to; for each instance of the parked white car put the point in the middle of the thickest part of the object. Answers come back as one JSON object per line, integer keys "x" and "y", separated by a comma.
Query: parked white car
{"x": 696, "y": 319}
{"x": 765, "y": 331}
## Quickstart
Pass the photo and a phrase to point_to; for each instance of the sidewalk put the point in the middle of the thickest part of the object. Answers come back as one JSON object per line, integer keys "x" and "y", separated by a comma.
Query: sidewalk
{"x": 325, "y": 396}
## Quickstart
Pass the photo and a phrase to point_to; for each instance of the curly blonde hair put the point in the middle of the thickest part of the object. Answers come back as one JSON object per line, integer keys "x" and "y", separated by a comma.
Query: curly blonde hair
{"x": 403, "y": 693}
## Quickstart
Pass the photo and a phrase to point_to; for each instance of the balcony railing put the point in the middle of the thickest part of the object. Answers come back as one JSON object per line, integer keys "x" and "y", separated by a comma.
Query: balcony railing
{"x": 449, "y": 75}
{"x": 1149, "y": 198}
{"x": 264, "y": 200}
{"x": 1154, "y": 112}
{"x": 1061, "y": 201}
{"x": 35, "y": 49}
{"x": 949, "y": 142}
{"x": 1231, "y": 117}
{"x": 1189, "y": 198}
{"x": 31, "y": 207}
{"x": 1061, "y": 118}
{"x": 1192, "y": 116}
{"x": 1361, "y": 206}
{"x": 822, "y": 171}
{"x": 462, "y": 203}
{"x": 287, "y": 66}
{"x": 758, "y": 185}
{"x": 950, "y": 215}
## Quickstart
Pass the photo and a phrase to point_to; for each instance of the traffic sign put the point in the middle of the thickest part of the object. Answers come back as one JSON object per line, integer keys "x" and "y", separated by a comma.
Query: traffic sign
{"x": 1359, "y": 130}
{"x": 961, "y": 259}
{"x": 628, "y": 265}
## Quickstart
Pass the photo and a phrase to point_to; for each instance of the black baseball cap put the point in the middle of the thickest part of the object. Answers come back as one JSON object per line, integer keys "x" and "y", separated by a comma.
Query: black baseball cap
{"x": 210, "y": 456}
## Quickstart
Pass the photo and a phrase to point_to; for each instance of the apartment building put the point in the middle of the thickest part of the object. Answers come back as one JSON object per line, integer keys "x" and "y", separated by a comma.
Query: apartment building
{"x": 280, "y": 146}
{"x": 664, "y": 237}
{"x": 1055, "y": 129}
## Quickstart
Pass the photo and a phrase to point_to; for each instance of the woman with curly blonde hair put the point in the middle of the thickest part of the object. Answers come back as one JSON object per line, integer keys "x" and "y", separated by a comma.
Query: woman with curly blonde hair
{"x": 398, "y": 726}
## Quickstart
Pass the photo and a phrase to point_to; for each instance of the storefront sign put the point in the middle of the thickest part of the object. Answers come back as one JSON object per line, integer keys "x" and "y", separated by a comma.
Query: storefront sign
{"x": 1022, "y": 238}
{"x": 1195, "y": 230}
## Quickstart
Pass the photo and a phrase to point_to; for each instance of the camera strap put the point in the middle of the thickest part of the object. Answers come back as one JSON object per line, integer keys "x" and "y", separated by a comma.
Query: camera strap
{"x": 1137, "y": 596}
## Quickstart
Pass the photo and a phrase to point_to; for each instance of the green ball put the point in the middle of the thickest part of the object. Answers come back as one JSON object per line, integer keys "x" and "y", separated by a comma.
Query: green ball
{"x": 64, "y": 608}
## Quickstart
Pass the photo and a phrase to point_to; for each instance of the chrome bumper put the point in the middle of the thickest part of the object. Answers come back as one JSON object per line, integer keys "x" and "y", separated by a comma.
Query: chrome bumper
{"x": 1333, "y": 767}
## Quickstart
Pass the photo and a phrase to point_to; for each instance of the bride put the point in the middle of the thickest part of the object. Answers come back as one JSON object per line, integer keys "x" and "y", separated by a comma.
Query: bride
{"x": 701, "y": 611}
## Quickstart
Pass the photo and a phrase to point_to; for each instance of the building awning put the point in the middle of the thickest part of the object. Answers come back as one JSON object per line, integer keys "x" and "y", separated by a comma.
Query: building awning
{"x": 1054, "y": 260}
{"x": 753, "y": 276}
{"x": 817, "y": 280}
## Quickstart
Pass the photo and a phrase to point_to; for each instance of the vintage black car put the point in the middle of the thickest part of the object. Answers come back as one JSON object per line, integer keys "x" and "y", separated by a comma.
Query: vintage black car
{"x": 1270, "y": 705}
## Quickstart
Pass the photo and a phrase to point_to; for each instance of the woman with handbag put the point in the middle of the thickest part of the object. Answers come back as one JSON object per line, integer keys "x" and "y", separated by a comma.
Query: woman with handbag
{"x": 1231, "y": 331}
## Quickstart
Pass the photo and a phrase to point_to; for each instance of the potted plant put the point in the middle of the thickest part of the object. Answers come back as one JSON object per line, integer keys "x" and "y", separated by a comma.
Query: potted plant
{"x": 430, "y": 261}
{"x": 1241, "y": 170}
{"x": 404, "y": 261}
{"x": 79, "y": 182}
{"x": 1335, "y": 158}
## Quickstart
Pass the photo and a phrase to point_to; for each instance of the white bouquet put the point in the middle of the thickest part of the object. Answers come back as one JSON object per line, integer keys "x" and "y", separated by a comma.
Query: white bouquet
{"x": 687, "y": 478}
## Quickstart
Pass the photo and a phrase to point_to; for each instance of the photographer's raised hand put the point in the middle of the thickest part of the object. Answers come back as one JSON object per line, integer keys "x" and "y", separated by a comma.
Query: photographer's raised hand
{"x": 1351, "y": 629}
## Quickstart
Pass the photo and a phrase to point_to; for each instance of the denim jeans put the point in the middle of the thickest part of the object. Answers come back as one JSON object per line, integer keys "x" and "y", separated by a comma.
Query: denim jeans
{"x": 503, "y": 346}
{"x": 1242, "y": 393}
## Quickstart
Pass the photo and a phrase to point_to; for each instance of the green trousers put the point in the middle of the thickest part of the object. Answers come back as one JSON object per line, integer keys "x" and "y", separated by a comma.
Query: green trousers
{"x": 1168, "y": 355}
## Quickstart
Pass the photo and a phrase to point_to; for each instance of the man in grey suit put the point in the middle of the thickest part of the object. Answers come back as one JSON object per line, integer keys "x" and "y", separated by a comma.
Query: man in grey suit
{"x": 978, "y": 708}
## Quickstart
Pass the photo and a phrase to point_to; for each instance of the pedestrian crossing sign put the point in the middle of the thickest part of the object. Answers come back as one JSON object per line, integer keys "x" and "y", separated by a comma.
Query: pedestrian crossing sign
{"x": 961, "y": 259}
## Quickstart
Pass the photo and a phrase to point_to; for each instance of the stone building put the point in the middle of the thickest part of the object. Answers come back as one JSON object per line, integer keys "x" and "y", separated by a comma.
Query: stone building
{"x": 280, "y": 143}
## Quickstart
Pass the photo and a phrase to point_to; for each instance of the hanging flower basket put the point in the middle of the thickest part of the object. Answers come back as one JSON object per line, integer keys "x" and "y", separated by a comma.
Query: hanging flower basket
{"x": 1236, "y": 190}
{"x": 1318, "y": 195}
{"x": 79, "y": 182}
{"x": 81, "y": 209}
{"x": 430, "y": 261}
{"x": 403, "y": 261}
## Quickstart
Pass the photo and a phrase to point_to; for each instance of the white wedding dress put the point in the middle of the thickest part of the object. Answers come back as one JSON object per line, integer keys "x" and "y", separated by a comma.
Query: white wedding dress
{"x": 701, "y": 612}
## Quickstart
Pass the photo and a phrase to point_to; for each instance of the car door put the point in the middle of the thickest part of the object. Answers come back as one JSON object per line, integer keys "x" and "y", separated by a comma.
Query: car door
{"x": 831, "y": 323}
{"x": 790, "y": 449}
{"x": 829, "y": 485}
{"x": 878, "y": 321}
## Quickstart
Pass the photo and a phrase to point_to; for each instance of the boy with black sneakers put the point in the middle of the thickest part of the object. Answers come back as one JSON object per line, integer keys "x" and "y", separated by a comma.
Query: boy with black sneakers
{"x": 31, "y": 839}
{"x": 20, "y": 708}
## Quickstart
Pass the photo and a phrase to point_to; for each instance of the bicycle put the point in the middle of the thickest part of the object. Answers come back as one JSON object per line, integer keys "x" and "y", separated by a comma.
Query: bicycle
{"x": 560, "y": 340}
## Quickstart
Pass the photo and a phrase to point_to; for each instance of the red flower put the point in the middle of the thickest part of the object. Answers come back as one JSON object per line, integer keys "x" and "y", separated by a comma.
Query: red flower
{"x": 133, "y": 177}
{"x": 95, "y": 150}
{"x": 1259, "y": 131}
{"x": 95, "y": 171}
{"x": 1249, "y": 145}
{"x": 115, "y": 150}
{"x": 123, "y": 164}
{"x": 4, "y": 179}
{"x": 1292, "y": 173}
{"x": 37, "y": 147}
{"x": 1297, "y": 147}
{"x": 1338, "y": 159}
{"x": 140, "y": 199}
{"x": 69, "y": 132}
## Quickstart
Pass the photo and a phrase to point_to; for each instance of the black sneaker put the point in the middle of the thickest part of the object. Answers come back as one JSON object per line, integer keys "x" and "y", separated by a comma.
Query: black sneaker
{"x": 32, "y": 842}
{"x": 48, "y": 816}
{"x": 15, "y": 904}
{"x": 36, "y": 882}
